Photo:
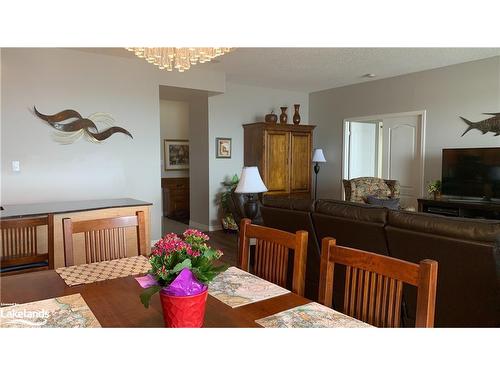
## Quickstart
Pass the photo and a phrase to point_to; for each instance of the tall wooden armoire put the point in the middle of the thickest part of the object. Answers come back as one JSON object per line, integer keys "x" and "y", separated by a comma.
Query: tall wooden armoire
{"x": 283, "y": 154}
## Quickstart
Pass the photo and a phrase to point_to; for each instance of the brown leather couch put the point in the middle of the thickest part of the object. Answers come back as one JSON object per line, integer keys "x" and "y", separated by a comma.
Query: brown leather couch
{"x": 467, "y": 251}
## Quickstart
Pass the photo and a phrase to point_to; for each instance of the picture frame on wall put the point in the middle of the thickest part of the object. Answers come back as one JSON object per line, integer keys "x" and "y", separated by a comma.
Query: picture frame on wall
{"x": 223, "y": 148}
{"x": 176, "y": 154}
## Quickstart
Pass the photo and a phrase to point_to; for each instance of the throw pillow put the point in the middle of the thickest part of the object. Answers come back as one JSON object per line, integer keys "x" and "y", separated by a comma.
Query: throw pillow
{"x": 391, "y": 203}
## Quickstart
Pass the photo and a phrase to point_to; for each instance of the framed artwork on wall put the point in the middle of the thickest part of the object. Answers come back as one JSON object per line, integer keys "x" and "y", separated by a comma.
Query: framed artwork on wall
{"x": 176, "y": 154}
{"x": 223, "y": 148}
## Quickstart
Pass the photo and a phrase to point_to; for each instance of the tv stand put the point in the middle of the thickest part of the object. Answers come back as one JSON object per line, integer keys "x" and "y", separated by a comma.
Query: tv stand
{"x": 460, "y": 208}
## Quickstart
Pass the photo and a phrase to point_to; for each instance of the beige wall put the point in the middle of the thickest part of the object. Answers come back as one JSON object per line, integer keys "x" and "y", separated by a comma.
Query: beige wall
{"x": 57, "y": 79}
{"x": 242, "y": 104}
{"x": 174, "y": 124}
{"x": 466, "y": 90}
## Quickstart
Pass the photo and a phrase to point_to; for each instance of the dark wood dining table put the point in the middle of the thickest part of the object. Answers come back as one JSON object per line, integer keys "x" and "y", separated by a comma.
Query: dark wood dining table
{"x": 116, "y": 303}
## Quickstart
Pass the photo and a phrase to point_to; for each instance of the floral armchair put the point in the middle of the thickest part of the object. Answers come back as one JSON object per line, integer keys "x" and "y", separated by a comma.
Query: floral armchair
{"x": 357, "y": 189}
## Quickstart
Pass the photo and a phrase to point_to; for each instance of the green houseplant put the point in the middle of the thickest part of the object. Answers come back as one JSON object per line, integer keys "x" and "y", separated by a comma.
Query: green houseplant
{"x": 228, "y": 222}
{"x": 434, "y": 188}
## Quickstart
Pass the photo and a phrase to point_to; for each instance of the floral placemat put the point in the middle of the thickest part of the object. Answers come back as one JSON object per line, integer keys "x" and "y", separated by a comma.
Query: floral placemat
{"x": 61, "y": 312}
{"x": 107, "y": 270}
{"x": 311, "y": 315}
{"x": 236, "y": 288}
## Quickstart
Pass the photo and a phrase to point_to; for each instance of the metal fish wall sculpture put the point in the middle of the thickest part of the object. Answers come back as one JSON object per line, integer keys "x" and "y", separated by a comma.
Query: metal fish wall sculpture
{"x": 72, "y": 130}
{"x": 491, "y": 124}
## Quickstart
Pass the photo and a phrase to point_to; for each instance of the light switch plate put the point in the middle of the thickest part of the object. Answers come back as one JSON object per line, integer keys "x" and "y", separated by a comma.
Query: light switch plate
{"x": 16, "y": 166}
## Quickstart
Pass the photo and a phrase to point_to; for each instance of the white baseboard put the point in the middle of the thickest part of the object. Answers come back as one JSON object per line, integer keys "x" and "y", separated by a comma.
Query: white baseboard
{"x": 204, "y": 227}
{"x": 215, "y": 227}
{"x": 199, "y": 226}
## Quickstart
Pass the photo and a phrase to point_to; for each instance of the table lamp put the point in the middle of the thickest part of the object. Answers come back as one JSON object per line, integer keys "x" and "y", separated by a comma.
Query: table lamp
{"x": 318, "y": 157}
{"x": 250, "y": 184}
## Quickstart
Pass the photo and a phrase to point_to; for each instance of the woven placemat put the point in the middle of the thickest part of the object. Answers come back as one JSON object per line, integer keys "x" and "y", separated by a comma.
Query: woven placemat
{"x": 107, "y": 270}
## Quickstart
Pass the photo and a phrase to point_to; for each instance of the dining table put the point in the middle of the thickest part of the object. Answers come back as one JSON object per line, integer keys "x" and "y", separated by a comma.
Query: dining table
{"x": 116, "y": 302}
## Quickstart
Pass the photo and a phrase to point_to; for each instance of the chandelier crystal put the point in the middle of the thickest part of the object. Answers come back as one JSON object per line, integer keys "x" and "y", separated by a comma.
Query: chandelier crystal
{"x": 170, "y": 58}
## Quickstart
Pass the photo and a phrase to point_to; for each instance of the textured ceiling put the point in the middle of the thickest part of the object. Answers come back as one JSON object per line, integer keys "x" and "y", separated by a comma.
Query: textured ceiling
{"x": 314, "y": 69}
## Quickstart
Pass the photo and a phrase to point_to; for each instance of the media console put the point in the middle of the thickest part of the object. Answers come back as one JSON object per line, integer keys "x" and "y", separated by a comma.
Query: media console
{"x": 460, "y": 208}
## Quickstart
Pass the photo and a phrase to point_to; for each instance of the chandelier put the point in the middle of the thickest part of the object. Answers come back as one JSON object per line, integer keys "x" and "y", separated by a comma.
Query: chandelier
{"x": 181, "y": 59}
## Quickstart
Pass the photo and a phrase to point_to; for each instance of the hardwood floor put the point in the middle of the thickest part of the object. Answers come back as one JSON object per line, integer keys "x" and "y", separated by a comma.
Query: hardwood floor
{"x": 226, "y": 241}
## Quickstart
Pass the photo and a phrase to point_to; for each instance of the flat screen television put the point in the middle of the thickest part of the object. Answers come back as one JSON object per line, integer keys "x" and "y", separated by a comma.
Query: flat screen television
{"x": 471, "y": 173}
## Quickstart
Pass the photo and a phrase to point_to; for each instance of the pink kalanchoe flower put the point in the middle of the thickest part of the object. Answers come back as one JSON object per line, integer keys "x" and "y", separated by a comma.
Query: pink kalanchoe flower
{"x": 195, "y": 233}
{"x": 219, "y": 253}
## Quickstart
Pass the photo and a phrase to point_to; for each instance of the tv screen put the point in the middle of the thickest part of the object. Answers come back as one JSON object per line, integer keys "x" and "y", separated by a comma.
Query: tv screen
{"x": 471, "y": 172}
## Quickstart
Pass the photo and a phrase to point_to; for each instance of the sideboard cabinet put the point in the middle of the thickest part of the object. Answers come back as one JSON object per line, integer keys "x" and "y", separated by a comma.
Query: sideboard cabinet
{"x": 283, "y": 155}
{"x": 176, "y": 198}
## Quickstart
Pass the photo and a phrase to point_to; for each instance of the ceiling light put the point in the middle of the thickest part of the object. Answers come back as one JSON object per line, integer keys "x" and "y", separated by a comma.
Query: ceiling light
{"x": 369, "y": 75}
{"x": 181, "y": 59}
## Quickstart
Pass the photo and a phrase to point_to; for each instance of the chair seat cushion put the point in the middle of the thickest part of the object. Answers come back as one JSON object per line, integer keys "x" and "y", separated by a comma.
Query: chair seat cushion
{"x": 24, "y": 266}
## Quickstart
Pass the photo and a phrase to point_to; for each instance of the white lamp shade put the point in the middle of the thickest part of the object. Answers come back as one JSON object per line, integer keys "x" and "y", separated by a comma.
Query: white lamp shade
{"x": 318, "y": 156}
{"x": 250, "y": 181}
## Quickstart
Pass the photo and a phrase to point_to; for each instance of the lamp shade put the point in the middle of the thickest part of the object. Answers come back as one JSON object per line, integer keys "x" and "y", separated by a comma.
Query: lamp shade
{"x": 250, "y": 181}
{"x": 318, "y": 156}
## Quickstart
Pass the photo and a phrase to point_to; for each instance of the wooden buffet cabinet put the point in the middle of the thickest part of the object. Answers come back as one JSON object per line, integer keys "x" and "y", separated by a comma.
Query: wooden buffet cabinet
{"x": 175, "y": 197}
{"x": 283, "y": 155}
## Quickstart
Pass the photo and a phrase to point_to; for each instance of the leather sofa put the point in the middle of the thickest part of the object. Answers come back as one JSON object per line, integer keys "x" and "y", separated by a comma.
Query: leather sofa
{"x": 467, "y": 251}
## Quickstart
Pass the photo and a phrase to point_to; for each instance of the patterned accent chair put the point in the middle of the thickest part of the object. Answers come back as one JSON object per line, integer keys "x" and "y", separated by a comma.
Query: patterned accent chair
{"x": 357, "y": 189}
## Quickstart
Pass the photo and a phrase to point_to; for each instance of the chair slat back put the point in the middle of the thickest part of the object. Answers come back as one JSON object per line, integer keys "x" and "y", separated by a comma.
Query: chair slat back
{"x": 104, "y": 239}
{"x": 20, "y": 242}
{"x": 272, "y": 250}
{"x": 374, "y": 285}
{"x": 271, "y": 262}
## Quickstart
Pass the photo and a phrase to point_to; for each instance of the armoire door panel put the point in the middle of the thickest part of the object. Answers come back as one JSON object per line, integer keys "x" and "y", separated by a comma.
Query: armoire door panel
{"x": 300, "y": 180}
{"x": 276, "y": 169}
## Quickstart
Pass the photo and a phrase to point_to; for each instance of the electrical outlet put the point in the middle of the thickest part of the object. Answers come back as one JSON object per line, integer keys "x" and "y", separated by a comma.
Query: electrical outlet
{"x": 16, "y": 166}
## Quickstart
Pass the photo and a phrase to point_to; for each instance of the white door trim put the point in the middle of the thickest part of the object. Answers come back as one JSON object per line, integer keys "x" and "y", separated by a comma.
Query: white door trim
{"x": 379, "y": 117}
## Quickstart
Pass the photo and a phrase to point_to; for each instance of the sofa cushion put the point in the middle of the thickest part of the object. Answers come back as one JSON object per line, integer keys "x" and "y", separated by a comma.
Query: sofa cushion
{"x": 462, "y": 228}
{"x": 391, "y": 204}
{"x": 352, "y": 211}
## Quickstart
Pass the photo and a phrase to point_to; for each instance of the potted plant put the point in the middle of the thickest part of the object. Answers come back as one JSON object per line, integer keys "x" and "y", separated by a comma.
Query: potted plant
{"x": 228, "y": 222}
{"x": 435, "y": 189}
{"x": 181, "y": 268}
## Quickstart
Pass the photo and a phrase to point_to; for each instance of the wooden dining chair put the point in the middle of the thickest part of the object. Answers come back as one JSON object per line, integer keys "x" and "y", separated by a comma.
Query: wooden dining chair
{"x": 271, "y": 254}
{"x": 374, "y": 285}
{"x": 20, "y": 251}
{"x": 104, "y": 239}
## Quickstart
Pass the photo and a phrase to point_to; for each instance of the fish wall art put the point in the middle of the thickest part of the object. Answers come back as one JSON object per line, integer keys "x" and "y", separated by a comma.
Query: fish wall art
{"x": 491, "y": 124}
{"x": 70, "y": 126}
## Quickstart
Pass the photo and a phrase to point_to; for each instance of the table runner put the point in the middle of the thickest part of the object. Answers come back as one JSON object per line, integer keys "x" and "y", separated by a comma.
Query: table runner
{"x": 311, "y": 315}
{"x": 61, "y": 312}
{"x": 236, "y": 288}
{"x": 107, "y": 270}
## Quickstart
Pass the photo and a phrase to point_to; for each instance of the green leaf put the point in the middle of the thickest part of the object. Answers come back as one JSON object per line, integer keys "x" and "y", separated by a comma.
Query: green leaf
{"x": 186, "y": 263}
{"x": 148, "y": 293}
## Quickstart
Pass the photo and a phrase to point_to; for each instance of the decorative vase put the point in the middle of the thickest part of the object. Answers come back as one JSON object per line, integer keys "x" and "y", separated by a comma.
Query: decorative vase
{"x": 271, "y": 118}
{"x": 283, "y": 116}
{"x": 183, "y": 312}
{"x": 296, "y": 115}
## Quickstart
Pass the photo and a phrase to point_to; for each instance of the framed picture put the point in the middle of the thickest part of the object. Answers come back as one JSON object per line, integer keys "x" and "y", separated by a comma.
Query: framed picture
{"x": 223, "y": 148}
{"x": 176, "y": 154}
